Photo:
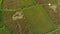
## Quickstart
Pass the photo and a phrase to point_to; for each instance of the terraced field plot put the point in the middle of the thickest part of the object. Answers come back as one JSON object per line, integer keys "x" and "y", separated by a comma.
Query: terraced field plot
{"x": 3, "y": 29}
{"x": 26, "y": 3}
{"x": 58, "y": 2}
{"x": 36, "y": 19}
{"x": 15, "y": 26}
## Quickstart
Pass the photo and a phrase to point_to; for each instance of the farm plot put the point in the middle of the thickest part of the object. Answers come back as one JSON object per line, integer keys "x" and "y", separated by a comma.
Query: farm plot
{"x": 57, "y": 31}
{"x": 3, "y": 29}
{"x": 58, "y": 2}
{"x": 10, "y": 4}
{"x": 26, "y": 3}
{"x": 0, "y": 3}
{"x": 37, "y": 20}
{"x": 14, "y": 26}
{"x": 45, "y": 2}
{"x": 54, "y": 14}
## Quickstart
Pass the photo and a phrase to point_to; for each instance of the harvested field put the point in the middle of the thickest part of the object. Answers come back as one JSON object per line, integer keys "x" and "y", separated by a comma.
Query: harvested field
{"x": 15, "y": 4}
{"x": 3, "y": 29}
{"x": 16, "y": 27}
{"x": 45, "y": 2}
{"x": 10, "y": 4}
{"x": 58, "y": 12}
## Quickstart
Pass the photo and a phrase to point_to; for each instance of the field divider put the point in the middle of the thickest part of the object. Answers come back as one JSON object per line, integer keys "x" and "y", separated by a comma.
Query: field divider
{"x": 6, "y": 9}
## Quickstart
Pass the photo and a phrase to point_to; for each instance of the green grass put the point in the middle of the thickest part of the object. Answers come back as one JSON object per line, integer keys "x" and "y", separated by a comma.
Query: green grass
{"x": 0, "y": 2}
{"x": 4, "y": 30}
{"x": 58, "y": 2}
{"x": 54, "y": 31}
{"x": 37, "y": 20}
{"x": 26, "y": 3}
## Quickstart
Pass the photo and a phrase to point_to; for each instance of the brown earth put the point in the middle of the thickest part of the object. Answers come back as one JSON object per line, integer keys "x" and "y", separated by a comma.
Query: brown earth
{"x": 16, "y": 27}
{"x": 55, "y": 16}
{"x": 10, "y": 4}
{"x": 45, "y": 1}
{"x": 58, "y": 11}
